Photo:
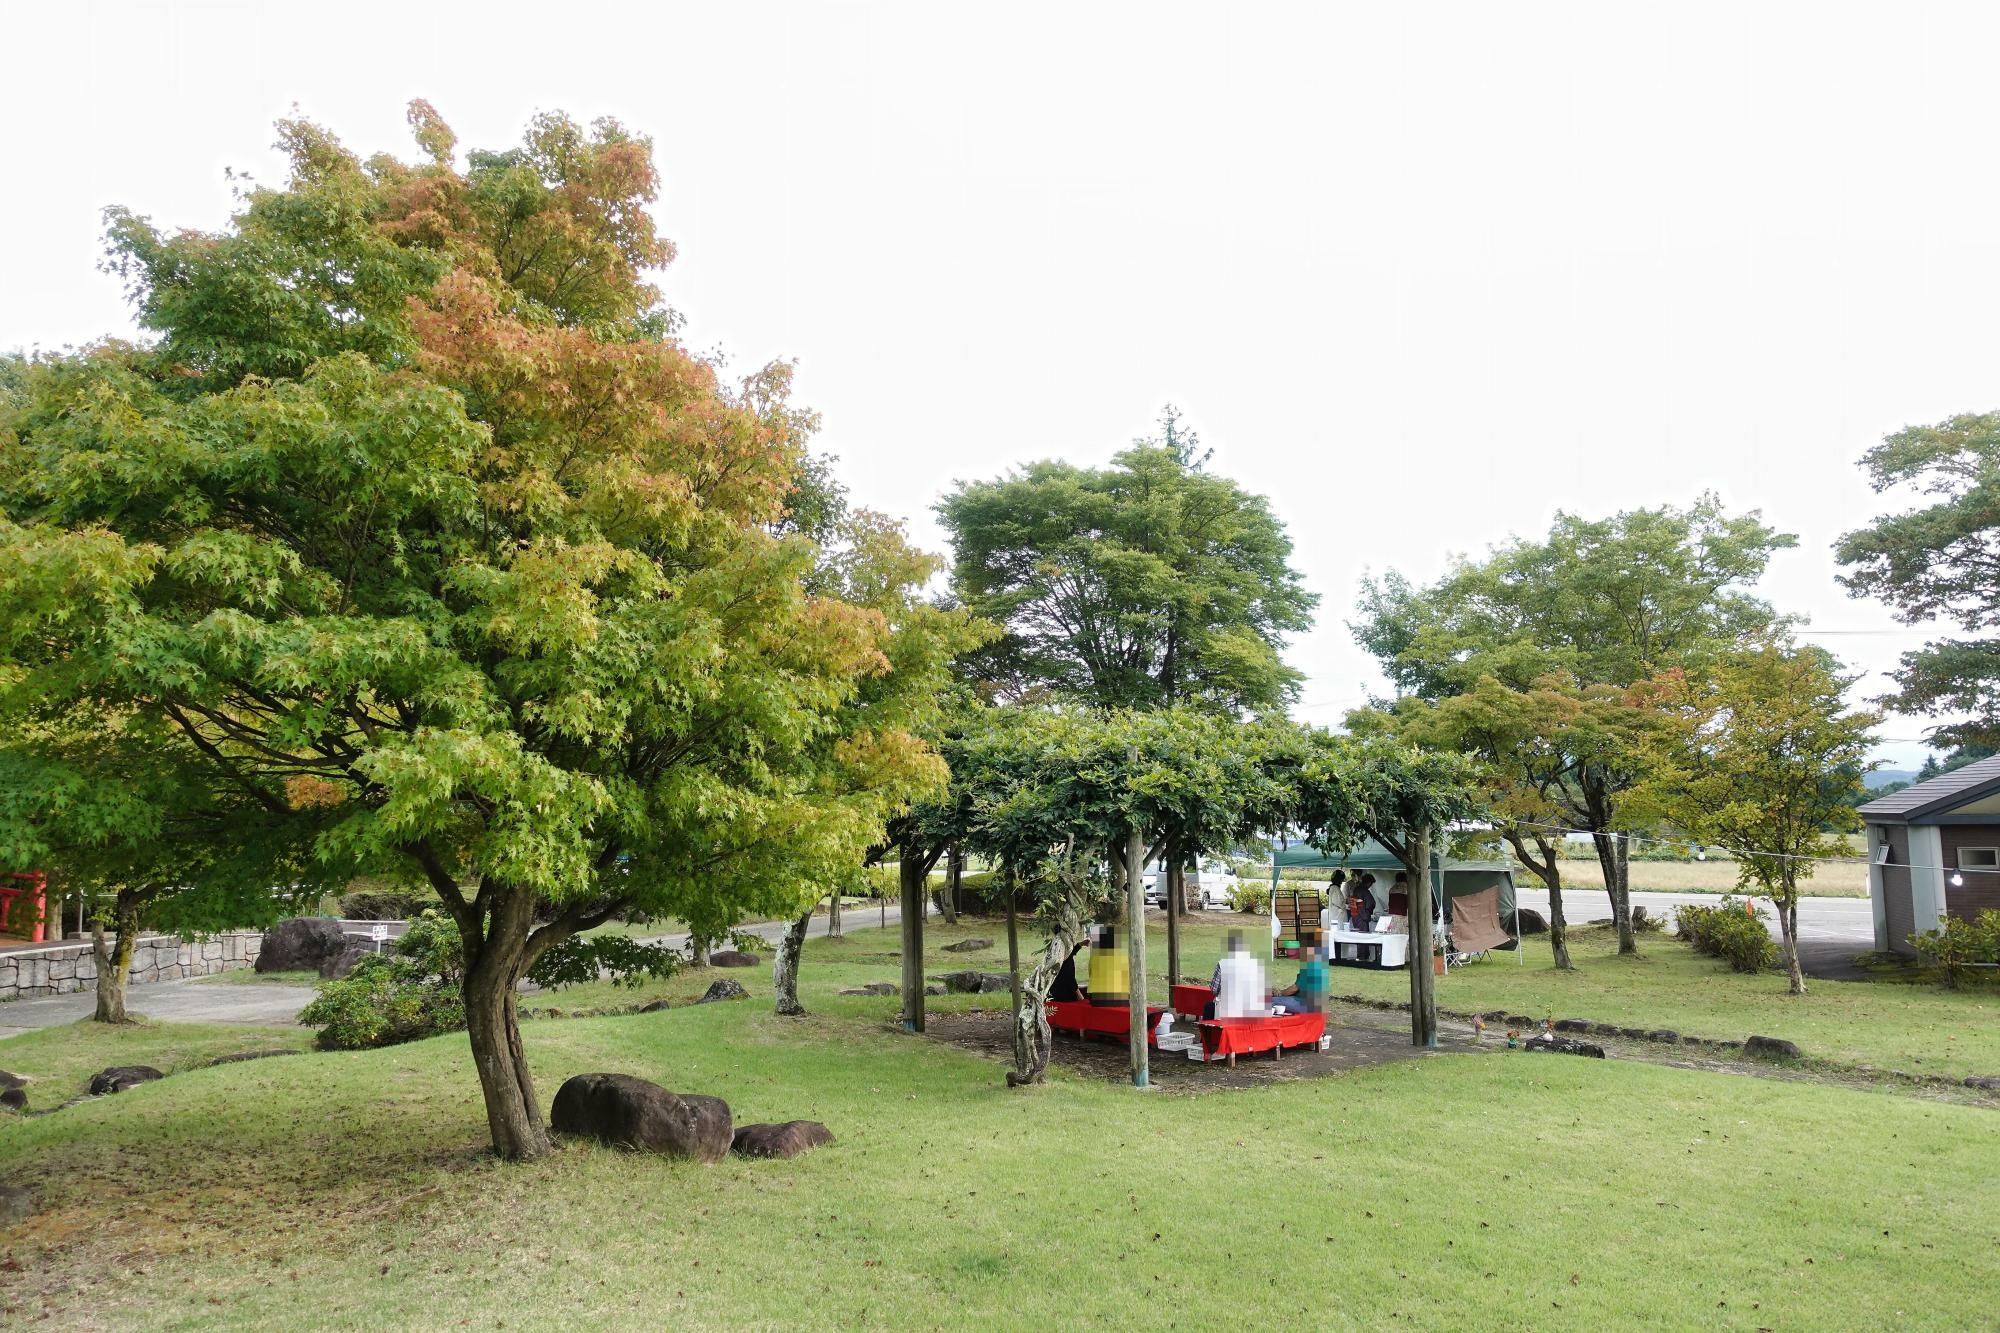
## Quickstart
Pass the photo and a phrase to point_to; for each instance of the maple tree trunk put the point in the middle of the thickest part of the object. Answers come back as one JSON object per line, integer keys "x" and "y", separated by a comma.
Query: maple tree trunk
{"x": 1613, "y": 858}
{"x": 785, "y": 973}
{"x": 1788, "y": 934}
{"x": 114, "y": 962}
{"x": 833, "y": 915}
{"x": 1558, "y": 926}
{"x": 954, "y": 866}
{"x": 911, "y": 874}
{"x": 494, "y": 966}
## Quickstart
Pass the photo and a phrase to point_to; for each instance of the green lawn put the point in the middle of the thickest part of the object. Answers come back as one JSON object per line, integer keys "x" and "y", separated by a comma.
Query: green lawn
{"x": 1922, "y": 1029}
{"x": 1503, "y": 1189}
{"x": 61, "y": 1060}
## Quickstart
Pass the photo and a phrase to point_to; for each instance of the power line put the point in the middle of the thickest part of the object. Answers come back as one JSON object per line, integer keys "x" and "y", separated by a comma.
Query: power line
{"x": 1731, "y": 852}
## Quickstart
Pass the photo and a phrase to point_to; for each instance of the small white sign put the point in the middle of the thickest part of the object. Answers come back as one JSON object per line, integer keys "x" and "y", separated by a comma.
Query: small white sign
{"x": 378, "y": 932}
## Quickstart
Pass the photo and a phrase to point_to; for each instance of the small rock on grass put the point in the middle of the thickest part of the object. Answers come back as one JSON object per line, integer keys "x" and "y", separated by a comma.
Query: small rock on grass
{"x": 1549, "y": 1041}
{"x": 1772, "y": 1048}
{"x": 969, "y": 946}
{"x": 934, "y": 990}
{"x": 725, "y": 989}
{"x": 786, "y": 1140}
{"x": 655, "y": 1007}
{"x": 732, "y": 958}
{"x": 976, "y": 983}
{"x": 1986, "y": 1081}
{"x": 119, "y": 1078}
{"x": 872, "y": 988}
{"x": 14, "y": 1099}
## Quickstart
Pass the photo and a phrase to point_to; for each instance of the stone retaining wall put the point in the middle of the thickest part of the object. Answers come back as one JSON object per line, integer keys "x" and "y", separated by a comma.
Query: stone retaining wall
{"x": 58, "y": 969}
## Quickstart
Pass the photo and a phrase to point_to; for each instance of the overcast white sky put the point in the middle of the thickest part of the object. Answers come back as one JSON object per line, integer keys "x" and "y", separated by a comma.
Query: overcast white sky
{"x": 1422, "y": 274}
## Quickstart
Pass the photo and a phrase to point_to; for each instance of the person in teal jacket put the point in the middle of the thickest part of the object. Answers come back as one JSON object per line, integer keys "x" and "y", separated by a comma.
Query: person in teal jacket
{"x": 1308, "y": 993}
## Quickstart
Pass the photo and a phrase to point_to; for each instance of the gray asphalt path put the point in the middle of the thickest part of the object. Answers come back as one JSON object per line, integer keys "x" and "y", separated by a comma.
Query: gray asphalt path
{"x": 1842, "y": 921}
{"x": 201, "y": 1000}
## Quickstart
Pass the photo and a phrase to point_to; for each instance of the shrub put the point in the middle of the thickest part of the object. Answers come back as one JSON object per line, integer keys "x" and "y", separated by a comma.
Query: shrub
{"x": 386, "y": 904}
{"x": 1246, "y": 897}
{"x": 390, "y": 998}
{"x": 1729, "y": 932}
{"x": 1958, "y": 950}
{"x": 579, "y": 959}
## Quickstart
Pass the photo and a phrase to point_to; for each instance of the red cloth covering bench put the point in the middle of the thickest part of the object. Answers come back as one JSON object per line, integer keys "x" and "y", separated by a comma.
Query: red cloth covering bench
{"x": 1233, "y": 1036}
{"x": 1084, "y": 1018}
{"x": 1191, "y": 999}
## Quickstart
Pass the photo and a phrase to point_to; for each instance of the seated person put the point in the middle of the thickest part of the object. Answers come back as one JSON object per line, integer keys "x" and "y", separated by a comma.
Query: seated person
{"x": 1239, "y": 982}
{"x": 1065, "y": 987}
{"x": 1110, "y": 973}
{"x": 1308, "y": 993}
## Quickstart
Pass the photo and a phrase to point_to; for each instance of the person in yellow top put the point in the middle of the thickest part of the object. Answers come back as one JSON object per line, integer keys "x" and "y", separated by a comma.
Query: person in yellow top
{"x": 1110, "y": 973}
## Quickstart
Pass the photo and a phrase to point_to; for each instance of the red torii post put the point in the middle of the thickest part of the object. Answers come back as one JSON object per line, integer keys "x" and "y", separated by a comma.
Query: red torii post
{"x": 36, "y": 893}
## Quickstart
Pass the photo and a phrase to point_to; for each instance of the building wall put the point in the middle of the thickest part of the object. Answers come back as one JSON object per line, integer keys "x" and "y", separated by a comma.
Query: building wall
{"x": 1981, "y": 890}
{"x": 1897, "y": 910}
{"x": 60, "y": 969}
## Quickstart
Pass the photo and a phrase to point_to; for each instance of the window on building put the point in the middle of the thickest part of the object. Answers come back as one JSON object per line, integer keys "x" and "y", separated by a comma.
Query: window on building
{"x": 1979, "y": 858}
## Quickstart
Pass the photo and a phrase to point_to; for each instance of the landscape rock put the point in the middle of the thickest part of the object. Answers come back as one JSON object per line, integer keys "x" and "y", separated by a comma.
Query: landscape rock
{"x": 1663, "y": 1034}
{"x": 656, "y": 1006}
{"x": 1533, "y": 922}
{"x": 340, "y": 964}
{"x": 934, "y": 989}
{"x": 786, "y": 1140}
{"x": 1549, "y": 1041}
{"x": 975, "y": 983}
{"x": 1639, "y": 917}
{"x": 1986, "y": 1081}
{"x": 964, "y": 946}
{"x": 1604, "y": 1029}
{"x": 118, "y": 1078}
{"x": 14, "y": 1099}
{"x": 632, "y": 1113}
{"x": 1573, "y": 1025}
{"x": 1771, "y": 1048}
{"x": 16, "y": 1204}
{"x": 872, "y": 988}
{"x": 727, "y": 988}
{"x": 732, "y": 958}
{"x": 301, "y": 944}
{"x": 8, "y": 1080}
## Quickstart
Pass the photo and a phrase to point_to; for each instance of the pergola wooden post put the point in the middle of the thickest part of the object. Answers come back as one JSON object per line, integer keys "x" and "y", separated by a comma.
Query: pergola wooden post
{"x": 1423, "y": 982}
{"x": 1135, "y": 897}
{"x": 1175, "y": 882}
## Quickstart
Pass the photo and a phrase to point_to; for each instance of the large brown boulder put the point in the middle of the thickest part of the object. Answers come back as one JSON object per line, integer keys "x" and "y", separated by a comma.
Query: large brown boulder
{"x": 632, "y": 1113}
{"x": 1533, "y": 922}
{"x": 120, "y": 1077}
{"x": 732, "y": 958}
{"x": 301, "y": 944}
{"x": 723, "y": 988}
{"x": 340, "y": 964}
{"x": 786, "y": 1140}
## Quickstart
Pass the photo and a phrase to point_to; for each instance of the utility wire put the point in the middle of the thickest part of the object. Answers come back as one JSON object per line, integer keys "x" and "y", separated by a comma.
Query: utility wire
{"x": 1731, "y": 852}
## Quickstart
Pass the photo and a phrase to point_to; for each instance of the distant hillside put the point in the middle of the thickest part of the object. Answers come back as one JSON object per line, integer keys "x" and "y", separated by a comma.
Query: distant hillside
{"x": 1883, "y": 776}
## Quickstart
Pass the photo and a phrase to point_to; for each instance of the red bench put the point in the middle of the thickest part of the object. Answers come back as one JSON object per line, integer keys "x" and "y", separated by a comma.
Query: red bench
{"x": 1084, "y": 1018}
{"x": 1229, "y": 1036}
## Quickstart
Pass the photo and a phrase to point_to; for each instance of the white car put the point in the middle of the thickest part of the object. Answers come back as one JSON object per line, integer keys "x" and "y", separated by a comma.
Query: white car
{"x": 1209, "y": 885}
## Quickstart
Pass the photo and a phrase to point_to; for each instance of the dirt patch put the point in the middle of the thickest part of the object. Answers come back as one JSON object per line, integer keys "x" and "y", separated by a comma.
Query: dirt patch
{"x": 1358, "y": 1045}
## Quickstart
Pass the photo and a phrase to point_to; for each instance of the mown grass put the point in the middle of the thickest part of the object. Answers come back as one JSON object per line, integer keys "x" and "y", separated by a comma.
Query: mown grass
{"x": 1922, "y": 1029}
{"x": 1499, "y": 1190}
{"x": 60, "y": 1061}
{"x": 250, "y": 976}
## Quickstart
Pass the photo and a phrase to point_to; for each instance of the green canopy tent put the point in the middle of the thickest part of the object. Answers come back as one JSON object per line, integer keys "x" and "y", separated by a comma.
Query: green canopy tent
{"x": 1451, "y": 876}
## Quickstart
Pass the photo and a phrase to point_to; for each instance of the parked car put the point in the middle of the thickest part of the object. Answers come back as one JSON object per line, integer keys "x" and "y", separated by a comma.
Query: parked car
{"x": 1209, "y": 885}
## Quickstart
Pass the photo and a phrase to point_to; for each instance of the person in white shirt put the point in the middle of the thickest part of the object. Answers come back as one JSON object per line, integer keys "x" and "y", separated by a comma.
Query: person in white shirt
{"x": 1239, "y": 982}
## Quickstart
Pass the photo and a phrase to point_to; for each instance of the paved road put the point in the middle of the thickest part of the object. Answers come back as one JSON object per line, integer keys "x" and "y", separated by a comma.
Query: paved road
{"x": 1847, "y": 921}
{"x": 201, "y": 1000}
